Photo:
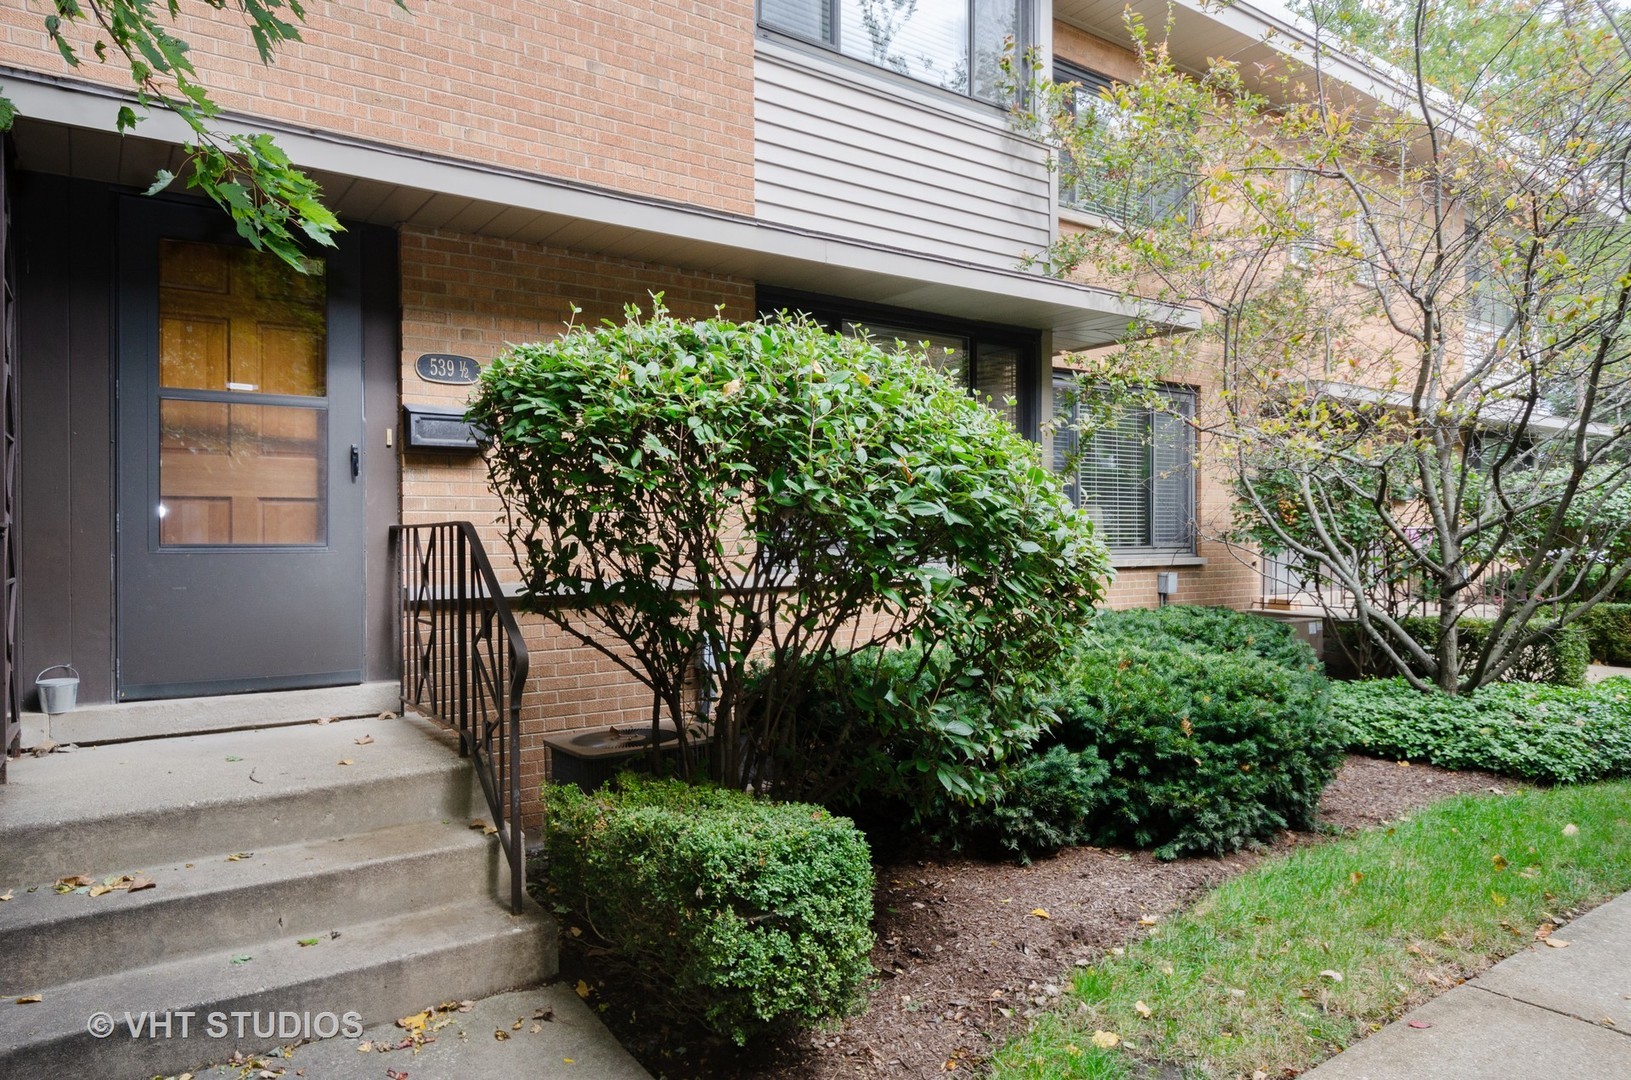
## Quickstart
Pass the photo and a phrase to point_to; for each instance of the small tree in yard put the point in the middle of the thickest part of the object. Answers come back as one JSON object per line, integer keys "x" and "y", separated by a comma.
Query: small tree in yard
{"x": 694, "y": 498}
{"x": 1417, "y": 311}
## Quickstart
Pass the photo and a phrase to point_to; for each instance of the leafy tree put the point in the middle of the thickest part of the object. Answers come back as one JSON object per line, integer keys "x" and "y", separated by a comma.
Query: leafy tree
{"x": 1417, "y": 308}
{"x": 694, "y": 499}
{"x": 274, "y": 205}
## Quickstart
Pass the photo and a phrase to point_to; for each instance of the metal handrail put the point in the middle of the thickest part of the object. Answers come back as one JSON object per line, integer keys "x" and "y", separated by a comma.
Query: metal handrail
{"x": 464, "y": 663}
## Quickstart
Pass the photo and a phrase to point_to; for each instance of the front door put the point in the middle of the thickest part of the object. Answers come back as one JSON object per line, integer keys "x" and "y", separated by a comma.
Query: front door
{"x": 240, "y": 504}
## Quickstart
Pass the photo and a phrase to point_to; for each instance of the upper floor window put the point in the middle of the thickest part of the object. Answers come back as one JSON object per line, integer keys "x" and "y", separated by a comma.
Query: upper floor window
{"x": 1135, "y": 475}
{"x": 1131, "y": 194}
{"x": 956, "y": 45}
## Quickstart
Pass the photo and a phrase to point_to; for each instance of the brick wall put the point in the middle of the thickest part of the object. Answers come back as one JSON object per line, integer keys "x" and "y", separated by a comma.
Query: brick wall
{"x": 471, "y": 295}
{"x": 653, "y": 97}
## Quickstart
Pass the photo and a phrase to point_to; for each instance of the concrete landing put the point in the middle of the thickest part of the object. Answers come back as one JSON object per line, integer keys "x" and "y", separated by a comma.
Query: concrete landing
{"x": 1545, "y": 1012}
{"x": 573, "y": 1044}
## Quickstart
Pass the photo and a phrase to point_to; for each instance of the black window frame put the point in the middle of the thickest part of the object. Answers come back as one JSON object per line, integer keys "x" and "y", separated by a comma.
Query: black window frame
{"x": 1024, "y": 37}
{"x": 834, "y": 312}
{"x": 1156, "y": 202}
{"x": 1067, "y": 391}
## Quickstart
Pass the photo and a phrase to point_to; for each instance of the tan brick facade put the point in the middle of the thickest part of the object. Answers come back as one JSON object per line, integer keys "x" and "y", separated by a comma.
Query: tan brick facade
{"x": 652, "y": 97}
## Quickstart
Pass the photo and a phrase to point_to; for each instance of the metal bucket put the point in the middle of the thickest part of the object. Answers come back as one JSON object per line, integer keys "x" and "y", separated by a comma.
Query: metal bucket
{"x": 58, "y": 695}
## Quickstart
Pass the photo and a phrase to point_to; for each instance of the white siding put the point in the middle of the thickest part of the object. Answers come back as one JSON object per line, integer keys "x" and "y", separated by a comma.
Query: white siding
{"x": 839, "y": 150}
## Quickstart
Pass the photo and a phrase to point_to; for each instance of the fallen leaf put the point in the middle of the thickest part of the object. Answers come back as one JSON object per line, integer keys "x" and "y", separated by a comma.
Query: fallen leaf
{"x": 1571, "y": 829}
{"x": 1419, "y": 1024}
{"x": 1141, "y": 1009}
{"x": 387, "y": 716}
{"x": 234, "y": 757}
{"x": 583, "y": 990}
{"x": 535, "y": 1028}
{"x": 543, "y": 1014}
{"x": 1104, "y": 1040}
{"x": 1544, "y": 931}
{"x": 414, "y": 1024}
{"x": 140, "y": 882}
{"x": 364, "y": 741}
{"x": 393, "y": 1074}
{"x": 1041, "y": 913}
{"x": 30, "y": 999}
{"x": 242, "y": 959}
{"x": 1148, "y": 920}
{"x": 101, "y": 890}
{"x": 5, "y": 895}
{"x": 346, "y": 761}
{"x": 1558, "y": 943}
{"x": 71, "y": 883}
{"x": 517, "y": 1025}
{"x": 240, "y": 856}
{"x": 321, "y": 720}
{"x": 1334, "y": 976}
{"x": 1404, "y": 764}
{"x": 569, "y": 1061}
{"x": 308, "y": 941}
{"x": 501, "y": 1035}
{"x": 1356, "y": 877}
{"x": 574, "y": 931}
{"x": 1499, "y": 862}
{"x": 365, "y": 1047}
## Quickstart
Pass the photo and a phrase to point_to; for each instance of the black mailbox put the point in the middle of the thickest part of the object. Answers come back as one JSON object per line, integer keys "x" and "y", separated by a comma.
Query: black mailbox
{"x": 439, "y": 427}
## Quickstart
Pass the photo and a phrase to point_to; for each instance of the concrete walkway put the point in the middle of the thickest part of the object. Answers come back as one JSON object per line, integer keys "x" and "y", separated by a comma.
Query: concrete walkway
{"x": 1599, "y": 672}
{"x": 1546, "y": 1012}
{"x": 571, "y": 1044}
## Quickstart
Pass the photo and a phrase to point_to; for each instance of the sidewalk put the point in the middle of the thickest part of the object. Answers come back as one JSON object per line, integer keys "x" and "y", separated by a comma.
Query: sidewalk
{"x": 1547, "y": 1012}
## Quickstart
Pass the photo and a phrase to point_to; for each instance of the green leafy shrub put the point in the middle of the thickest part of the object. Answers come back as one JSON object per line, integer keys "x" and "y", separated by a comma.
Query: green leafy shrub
{"x": 1608, "y": 627}
{"x": 1047, "y": 802}
{"x": 898, "y": 735}
{"x": 754, "y": 917}
{"x": 1207, "y": 751}
{"x": 1561, "y": 658}
{"x": 1550, "y": 733}
{"x": 1215, "y": 629}
{"x": 675, "y": 488}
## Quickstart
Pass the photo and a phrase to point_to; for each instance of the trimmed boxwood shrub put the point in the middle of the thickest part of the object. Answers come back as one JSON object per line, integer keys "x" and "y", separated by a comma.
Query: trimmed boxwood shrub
{"x": 1608, "y": 628}
{"x": 1207, "y": 751}
{"x": 753, "y": 917}
{"x": 1549, "y": 733}
{"x": 1183, "y": 627}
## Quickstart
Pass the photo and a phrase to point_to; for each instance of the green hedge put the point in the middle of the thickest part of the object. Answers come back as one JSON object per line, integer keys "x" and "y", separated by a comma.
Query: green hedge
{"x": 1561, "y": 659}
{"x": 753, "y": 917}
{"x": 1182, "y": 627}
{"x": 1207, "y": 751}
{"x": 1608, "y": 628}
{"x": 1548, "y": 733}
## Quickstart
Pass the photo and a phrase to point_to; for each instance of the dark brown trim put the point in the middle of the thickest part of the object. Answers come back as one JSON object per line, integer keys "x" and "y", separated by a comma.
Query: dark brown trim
{"x": 382, "y": 470}
{"x": 65, "y": 517}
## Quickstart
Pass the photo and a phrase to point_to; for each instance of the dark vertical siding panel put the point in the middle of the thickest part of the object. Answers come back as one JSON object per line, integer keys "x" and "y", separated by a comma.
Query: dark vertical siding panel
{"x": 65, "y": 431}
{"x": 382, "y": 375}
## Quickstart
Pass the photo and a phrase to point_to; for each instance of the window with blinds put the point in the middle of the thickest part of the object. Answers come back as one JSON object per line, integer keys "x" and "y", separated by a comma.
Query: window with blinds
{"x": 1155, "y": 190}
{"x": 1134, "y": 476}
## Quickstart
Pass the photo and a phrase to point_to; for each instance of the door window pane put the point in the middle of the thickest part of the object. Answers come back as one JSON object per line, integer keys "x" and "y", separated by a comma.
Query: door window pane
{"x": 233, "y": 473}
{"x": 240, "y": 320}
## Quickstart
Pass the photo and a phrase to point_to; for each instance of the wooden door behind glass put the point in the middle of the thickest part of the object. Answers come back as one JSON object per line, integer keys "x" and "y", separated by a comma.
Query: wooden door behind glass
{"x": 240, "y": 549}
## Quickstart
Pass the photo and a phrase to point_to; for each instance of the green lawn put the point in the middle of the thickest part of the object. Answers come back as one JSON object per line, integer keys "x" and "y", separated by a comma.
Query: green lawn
{"x": 1286, "y": 965}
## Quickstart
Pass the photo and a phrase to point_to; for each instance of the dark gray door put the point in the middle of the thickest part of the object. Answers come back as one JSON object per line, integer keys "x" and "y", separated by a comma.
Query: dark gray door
{"x": 240, "y": 504}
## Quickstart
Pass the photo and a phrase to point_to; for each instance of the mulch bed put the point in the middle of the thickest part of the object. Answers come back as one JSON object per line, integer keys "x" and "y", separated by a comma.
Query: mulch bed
{"x": 963, "y": 956}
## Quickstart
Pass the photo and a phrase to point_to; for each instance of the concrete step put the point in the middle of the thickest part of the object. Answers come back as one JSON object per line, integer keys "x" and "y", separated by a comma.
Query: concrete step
{"x": 102, "y": 810}
{"x": 293, "y": 891}
{"x": 378, "y": 970}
